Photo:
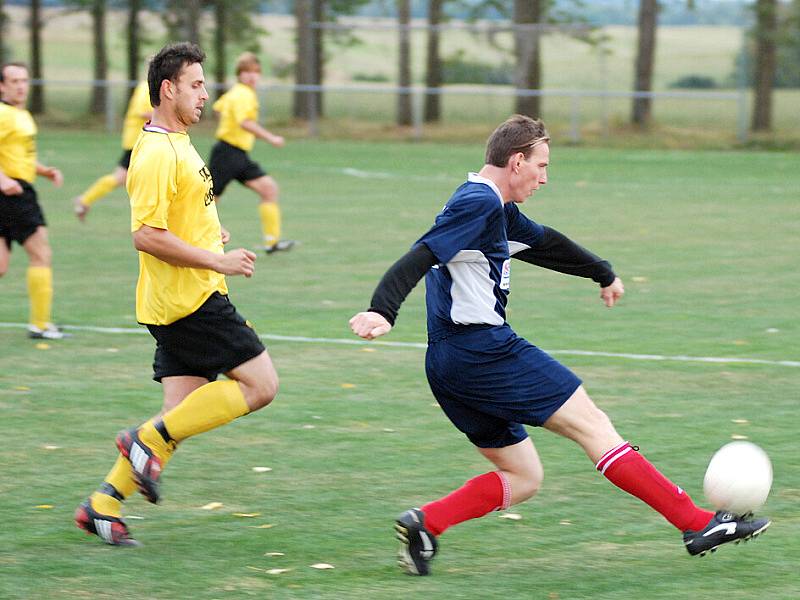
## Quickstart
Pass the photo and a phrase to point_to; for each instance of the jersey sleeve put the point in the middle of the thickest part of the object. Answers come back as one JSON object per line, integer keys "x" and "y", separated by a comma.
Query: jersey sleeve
{"x": 459, "y": 224}
{"x": 152, "y": 186}
{"x": 522, "y": 232}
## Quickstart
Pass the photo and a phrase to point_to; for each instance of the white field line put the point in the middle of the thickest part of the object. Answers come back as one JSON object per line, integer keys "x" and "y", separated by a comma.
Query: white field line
{"x": 356, "y": 342}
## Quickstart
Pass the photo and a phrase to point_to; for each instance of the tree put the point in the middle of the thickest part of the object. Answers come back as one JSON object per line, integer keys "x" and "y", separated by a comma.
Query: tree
{"x": 220, "y": 43}
{"x": 303, "y": 68}
{"x": 527, "y": 49}
{"x": 433, "y": 63}
{"x": 3, "y": 21}
{"x": 134, "y": 41}
{"x": 97, "y": 104}
{"x": 404, "y": 108}
{"x": 232, "y": 21}
{"x": 182, "y": 19}
{"x": 765, "y": 63}
{"x": 645, "y": 58}
{"x": 37, "y": 89}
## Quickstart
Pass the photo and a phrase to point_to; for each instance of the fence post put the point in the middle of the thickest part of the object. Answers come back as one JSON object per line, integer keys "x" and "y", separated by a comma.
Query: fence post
{"x": 110, "y": 120}
{"x": 575, "y": 121}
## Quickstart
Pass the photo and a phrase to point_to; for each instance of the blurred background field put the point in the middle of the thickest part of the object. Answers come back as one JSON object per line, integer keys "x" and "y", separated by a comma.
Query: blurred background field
{"x": 705, "y": 241}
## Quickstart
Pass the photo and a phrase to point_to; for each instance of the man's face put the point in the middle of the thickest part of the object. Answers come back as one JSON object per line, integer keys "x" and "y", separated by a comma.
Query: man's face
{"x": 15, "y": 86}
{"x": 528, "y": 175}
{"x": 189, "y": 94}
{"x": 250, "y": 78}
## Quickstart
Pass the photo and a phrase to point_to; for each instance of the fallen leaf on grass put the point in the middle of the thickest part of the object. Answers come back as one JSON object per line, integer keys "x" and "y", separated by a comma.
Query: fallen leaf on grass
{"x": 246, "y": 515}
{"x": 387, "y": 430}
{"x": 277, "y": 571}
{"x": 134, "y": 517}
{"x": 274, "y": 554}
{"x": 45, "y": 506}
{"x": 639, "y": 279}
{"x": 22, "y": 388}
{"x": 736, "y": 436}
{"x": 348, "y": 386}
{"x": 565, "y": 522}
{"x": 322, "y": 566}
{"x": 51, "y": 447}
{"x": 42, "y": 346}
{"x": 309, "y": 426}
{"x": 740, "y": 421}
{"x": 212, "y": 506}
{"x": 262, "y": 469}
{"x": 264, "y": 526}
{"x": 368, "y": 349}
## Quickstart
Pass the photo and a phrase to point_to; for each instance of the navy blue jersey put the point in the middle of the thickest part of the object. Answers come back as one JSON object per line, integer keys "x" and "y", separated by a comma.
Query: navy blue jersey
{"x": 474, "y": 238}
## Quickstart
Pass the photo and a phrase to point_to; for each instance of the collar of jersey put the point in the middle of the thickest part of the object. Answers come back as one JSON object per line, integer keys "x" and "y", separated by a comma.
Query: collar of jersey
{"x": 157, "y": 129}
{"x": 475, "y": 178}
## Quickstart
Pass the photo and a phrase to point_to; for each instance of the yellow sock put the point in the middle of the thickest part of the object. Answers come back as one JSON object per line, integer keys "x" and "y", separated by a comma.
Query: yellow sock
{"x": 40, "y": 293}
{"x": 270, "y": 222}
{"x": 150, "y": 436}
{"x": 121, "y": 477}
{"x": 98, "y": 189}
{"x": 206, "y": 408}
{"x": 106, "y": 505}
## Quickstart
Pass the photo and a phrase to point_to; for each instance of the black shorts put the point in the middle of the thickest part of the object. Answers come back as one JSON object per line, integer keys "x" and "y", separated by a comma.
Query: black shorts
{"x": 20, "y": 216}
{"x": 229, "y": 162}
{"x": 213, "y": 339}
{"x": 125, "y": 159}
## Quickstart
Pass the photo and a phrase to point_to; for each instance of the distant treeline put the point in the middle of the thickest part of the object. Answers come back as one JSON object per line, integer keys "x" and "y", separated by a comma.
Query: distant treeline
{"x": 597, "y": 12}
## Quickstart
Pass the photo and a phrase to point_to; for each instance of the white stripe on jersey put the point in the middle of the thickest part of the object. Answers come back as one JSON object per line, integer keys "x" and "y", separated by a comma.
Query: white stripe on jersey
{"x": 514, "y": 247}
{"x": 472, "y": 292}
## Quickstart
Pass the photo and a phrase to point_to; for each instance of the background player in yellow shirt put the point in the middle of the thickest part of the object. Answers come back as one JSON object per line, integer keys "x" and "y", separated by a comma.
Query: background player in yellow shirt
{"x": 181, "y": 296}
{"x": 237, "y": 131}
{"x": 138, "y": 112}
{"x": 21, "y": 217}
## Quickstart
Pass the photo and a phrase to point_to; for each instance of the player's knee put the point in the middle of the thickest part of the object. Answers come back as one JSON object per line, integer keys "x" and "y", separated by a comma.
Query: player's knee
{"x": 261, "y": 393}
{"x": 528, "y": 487}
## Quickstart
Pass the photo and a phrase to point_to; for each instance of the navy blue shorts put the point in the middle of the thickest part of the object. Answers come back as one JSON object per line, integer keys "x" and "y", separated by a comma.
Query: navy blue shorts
{"x": 489, "y": 382}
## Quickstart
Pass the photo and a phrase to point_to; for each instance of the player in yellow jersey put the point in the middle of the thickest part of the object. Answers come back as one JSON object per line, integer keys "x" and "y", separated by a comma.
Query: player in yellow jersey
{"x": 236, "y": 134}
{"x": 21, "y": 217}
{"x": 138, "y": 112}
{"x": 181, "y": 296}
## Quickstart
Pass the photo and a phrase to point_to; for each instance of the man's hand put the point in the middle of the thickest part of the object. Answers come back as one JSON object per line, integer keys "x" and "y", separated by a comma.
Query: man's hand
{"x": 224, "y": 234}
{"x": 9, "y": 186}
{"x": 369, "y": 325}
{"x": 276, "y": 140}
{"x": 53, "y": 175}
{"x": 612, "y": 293}
{"x": 237, "y": 262}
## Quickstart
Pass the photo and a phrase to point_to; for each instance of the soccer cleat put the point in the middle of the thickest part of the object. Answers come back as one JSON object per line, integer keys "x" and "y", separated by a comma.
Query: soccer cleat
{"x": 723, "y": 527}
{"x": 280, "y": 246}
{"x": 146, "y": 465}
{"x": 112, "y": 530}
{"x": 417, "y": 545}
{"x": 49, "y": 332}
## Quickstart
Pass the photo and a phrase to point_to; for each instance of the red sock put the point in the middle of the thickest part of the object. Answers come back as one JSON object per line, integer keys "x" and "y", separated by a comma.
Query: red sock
{"x": 478, "y": 496}
{"x": 630, "y": 471}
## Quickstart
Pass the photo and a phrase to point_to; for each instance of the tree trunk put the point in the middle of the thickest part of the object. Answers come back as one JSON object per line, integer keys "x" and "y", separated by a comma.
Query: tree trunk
{"x": 303, "y": 66}
{"x": 220, "y": 39}
{"x": 97, "y": 105}
{"x": 193, "y": 10}
{"x": 765, "y": 64}
{"x": 645, "y": 58}
{"x": 3, "y": 18}
{"x": 318, "y": 70}
{"x": 404, "y": 109}
{"x": 528, "y": 54}
{"x": 37, "y": 89}
{"x": 134, "y": 66}
{"x": 433, "y": 67}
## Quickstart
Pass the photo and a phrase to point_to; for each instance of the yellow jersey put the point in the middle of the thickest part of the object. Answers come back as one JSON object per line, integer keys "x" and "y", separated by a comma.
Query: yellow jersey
{"x": 238, "y": 104}
{"x": 170, "y": 188}
{"x": 17, "y": 143}
{"x": 138, "y": 105}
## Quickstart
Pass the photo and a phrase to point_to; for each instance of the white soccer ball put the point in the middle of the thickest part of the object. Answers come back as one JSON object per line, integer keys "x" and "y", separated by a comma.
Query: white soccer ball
{"x": 738, "y": 478}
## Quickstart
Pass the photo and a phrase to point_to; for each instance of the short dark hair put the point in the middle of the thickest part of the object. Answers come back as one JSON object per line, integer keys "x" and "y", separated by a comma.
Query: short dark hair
{"x": 168, "y": 64}
{"x": 10, "y": 64}
{"x": 518, "y": 133}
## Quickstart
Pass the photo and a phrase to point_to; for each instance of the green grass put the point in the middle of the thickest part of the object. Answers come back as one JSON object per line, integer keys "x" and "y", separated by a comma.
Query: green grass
{"x": 705, "y": 241}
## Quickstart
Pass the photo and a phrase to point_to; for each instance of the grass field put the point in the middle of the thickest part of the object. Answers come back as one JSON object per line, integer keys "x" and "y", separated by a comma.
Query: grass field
{"x": 706, "y": 243}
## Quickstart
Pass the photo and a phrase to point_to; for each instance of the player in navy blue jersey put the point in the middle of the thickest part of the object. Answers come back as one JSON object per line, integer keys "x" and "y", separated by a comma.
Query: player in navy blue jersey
{"x": 489, "y": 381}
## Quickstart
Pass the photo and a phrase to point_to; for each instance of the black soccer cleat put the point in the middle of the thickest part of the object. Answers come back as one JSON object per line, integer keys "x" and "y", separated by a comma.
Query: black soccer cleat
{"x": 112, "y": 530}
{"x": 146, "y": 465}
{"x": 280, "y": 246}
{"x": 724, "y": 527}
{"x": 418, "y": 546}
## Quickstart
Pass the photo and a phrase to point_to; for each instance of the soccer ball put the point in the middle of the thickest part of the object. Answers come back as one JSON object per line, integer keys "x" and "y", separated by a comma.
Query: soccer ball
{"x": 738, "y": 478}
